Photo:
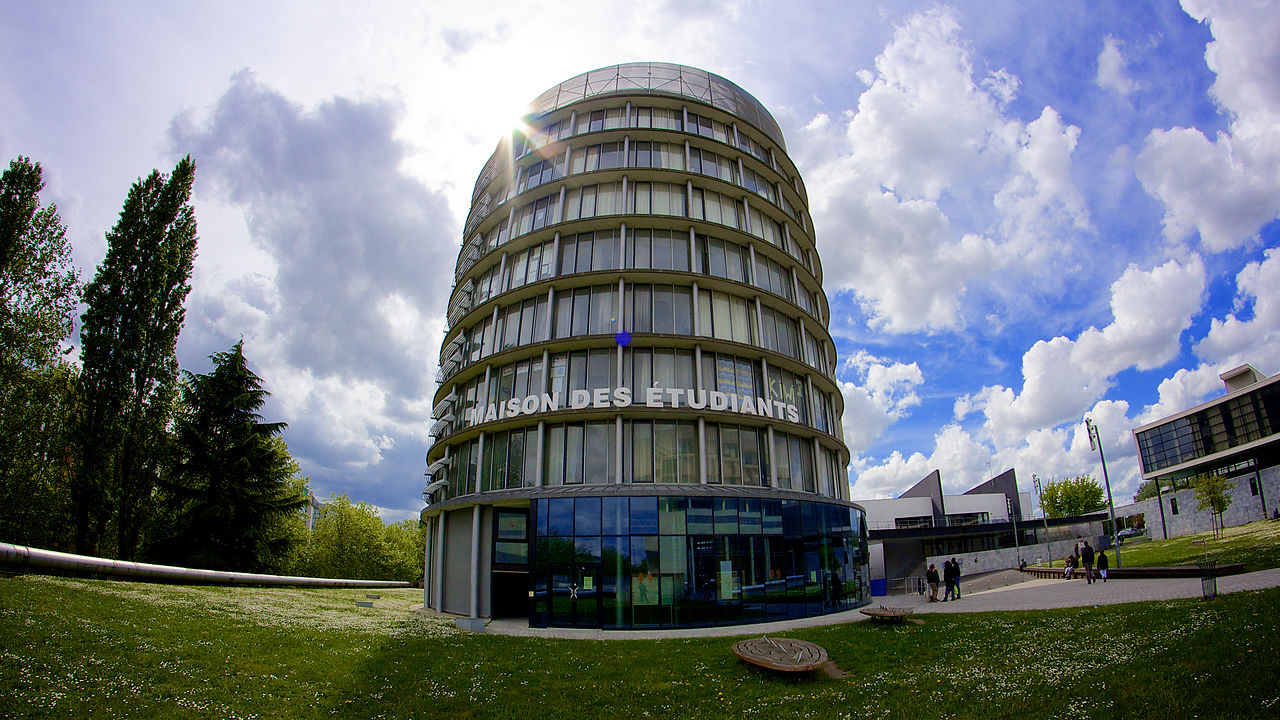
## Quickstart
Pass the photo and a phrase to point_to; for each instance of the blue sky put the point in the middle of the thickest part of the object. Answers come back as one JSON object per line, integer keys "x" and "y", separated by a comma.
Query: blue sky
{"x": 1028, "y": 212}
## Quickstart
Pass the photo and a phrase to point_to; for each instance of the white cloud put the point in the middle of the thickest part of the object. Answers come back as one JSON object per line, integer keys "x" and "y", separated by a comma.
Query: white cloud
{"x": 929, "y": 132}
{"x": 1112, "y": 68}
{"x": 338, "y": 300}
{"x": 1235, "y": 340}
{"x": 1229, "y": 187}
{"x": 1061, "y": 377}
{"x": 886, "y": 393}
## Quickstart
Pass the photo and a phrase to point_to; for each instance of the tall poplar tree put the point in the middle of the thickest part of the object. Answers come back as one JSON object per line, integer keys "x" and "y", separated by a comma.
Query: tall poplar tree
{"x": 129, "y": 373}
{"x": 39, "y": 289}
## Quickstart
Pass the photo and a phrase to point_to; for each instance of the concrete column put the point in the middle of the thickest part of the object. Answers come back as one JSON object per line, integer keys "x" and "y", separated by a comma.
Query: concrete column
{"x": 437, "y": 576}
{"x": 475, "y": 562}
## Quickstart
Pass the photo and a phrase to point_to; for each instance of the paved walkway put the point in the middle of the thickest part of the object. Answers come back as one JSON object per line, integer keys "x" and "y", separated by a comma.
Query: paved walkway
{"x": 1028, "y": 595}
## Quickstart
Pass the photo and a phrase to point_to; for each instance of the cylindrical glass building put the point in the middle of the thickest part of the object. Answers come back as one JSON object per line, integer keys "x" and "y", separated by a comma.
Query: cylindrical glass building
{"x": 637, "y": 423}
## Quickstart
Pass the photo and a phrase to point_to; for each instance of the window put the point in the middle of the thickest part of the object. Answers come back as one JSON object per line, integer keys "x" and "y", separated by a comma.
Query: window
{"x": 1173, "y": 505}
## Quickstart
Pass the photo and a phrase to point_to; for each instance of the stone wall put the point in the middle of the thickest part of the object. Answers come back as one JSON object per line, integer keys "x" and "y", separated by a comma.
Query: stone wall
{"x": 1245, "y": 507}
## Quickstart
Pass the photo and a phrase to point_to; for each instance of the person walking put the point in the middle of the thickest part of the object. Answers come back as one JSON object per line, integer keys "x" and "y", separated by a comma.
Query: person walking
{"x": 949, "y": 577}
{"x": 1086, "y": 555}
{"x": 932, "y": 577}
{"x": 1103, "y": 564}
{"x": 955, "y": 566}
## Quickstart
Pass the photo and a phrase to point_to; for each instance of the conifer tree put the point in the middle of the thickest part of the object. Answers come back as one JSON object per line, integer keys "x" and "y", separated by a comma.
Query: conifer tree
{"x": 129, "y": 362}
{"x": 231, "y": 483}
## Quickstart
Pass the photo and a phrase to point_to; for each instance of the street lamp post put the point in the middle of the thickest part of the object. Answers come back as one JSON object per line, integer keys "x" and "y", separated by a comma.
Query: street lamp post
{"x": 1017, "y": 546}
{"x": 1035, "y": 479}
{"x": 1095, "y": 443}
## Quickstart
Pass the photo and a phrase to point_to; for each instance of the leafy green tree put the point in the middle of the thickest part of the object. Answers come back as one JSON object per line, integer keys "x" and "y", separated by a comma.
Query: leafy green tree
{"x": 39, "y": 290}
{"x": 349, "y": 541}
{"x": 1069, "y": 497}
{"x": 129, "y": 374}
{"x": 230, "y": 484}
{"x": 407, "y": 542}
{"x": 1214, "y": 494}
{"x": 1146, "y": 491}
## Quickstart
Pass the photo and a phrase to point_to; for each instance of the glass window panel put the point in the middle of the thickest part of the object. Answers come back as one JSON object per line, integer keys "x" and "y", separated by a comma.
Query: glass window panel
{"x": 721, "y": 316}
{"x": 564, "y": 314}
{"x": 600, "y": 366}
{"x": 639, "y": 200}
{"x": 665, "y": 460}
{"x": 602, "y": 315}
{"x": 581, "y": 311}
{"x": 664, "y": 368}
{"x": 663, "y": 317}
{"x": 671, "y": 515}
{"x": 712, "y": 455}
{"x": 642, "y": 453}
{"x": 782, "y": 460}
{"x": 682, "y": 306}
{"x": 560, "y": 517}
{"x": 685, "y": 376}
{"x": 639, "y": 241}
{"x": 568, "y": 254}
{"x": 701, "y": 516}
{"x": 615, "y": 518}
{"x": 643, "y": 363}
{"x": 731, "y": 454}
{"x": 559, "y": 373}
{"x": 642, "y": 313}
{"x": 578, "y": 370}
{"x": 586, "y": 516}
{"x": 528, "y": 314}
{"x": 726, "y": 516}
{"x": 573, "y": 455}
{"x": 662, "y": 250}
{"x": 687, "y": 437}
{"x": 751, "y": 458}
{"x": 644, "y": 516}
{"x": 515, "y": 460}
{"x": 585, "y": 243}
{"x": 553, "y": 456}
{"x": 598, "y": 441}
{"x": 705, "y": 322}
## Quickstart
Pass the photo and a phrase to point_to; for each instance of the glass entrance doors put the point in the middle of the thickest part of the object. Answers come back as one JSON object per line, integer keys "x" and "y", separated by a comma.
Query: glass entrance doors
{"x": 575, "y": 595}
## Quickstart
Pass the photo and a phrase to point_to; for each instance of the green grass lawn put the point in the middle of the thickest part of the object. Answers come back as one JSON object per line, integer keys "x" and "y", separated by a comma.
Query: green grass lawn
{"x": 92, "y": 648}
{"x": 1256, "y": 544}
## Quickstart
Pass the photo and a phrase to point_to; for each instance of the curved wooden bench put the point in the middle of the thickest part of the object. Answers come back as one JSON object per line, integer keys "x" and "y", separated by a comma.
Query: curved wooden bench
{"x": 782, "y": 654}
{"x": 887, "y": 614}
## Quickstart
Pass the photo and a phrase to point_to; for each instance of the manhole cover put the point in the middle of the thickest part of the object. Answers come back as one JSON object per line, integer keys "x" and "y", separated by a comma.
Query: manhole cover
{"x": 781, "y": 653}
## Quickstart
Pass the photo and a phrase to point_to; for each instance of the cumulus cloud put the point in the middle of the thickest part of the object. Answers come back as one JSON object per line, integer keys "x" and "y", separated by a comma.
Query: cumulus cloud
{"x": 344, "y": 315}
{"x": 1252, "y": 333}
{"x": 1226, "y": 188}
{"x": 930, "y": 132}
{"x": 1061, "y": 377}
{"x": 881, "y": 394}
{"x": 1112, "y": 68}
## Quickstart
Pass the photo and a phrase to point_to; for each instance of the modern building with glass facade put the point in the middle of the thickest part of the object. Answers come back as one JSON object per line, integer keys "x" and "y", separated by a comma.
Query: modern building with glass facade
{"x": 637, "y": 423}
{"x": 1236, "y": 436}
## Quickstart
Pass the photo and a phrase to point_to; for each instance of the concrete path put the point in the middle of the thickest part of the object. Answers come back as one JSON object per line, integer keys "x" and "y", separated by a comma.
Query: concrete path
{"x": 1028, "y": 595}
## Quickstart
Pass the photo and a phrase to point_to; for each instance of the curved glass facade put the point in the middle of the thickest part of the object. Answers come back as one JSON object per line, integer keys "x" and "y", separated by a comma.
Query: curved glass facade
{"x": 638, "y": 302}
{"x": 630, "y": 562}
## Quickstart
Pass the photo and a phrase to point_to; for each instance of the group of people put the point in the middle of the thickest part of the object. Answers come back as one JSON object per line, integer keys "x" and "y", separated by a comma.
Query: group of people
{"x": 950, "y": 575}
{"x": 1084, "y": 555}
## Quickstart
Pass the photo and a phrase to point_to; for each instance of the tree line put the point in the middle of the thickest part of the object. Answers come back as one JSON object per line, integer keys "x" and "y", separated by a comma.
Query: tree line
{"x": 123, "y": 454}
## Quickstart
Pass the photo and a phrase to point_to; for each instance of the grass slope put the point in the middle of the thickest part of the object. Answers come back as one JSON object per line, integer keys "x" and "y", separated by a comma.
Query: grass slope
{"x": 1256, "y": 544}
{"x": 90, "y": 648}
